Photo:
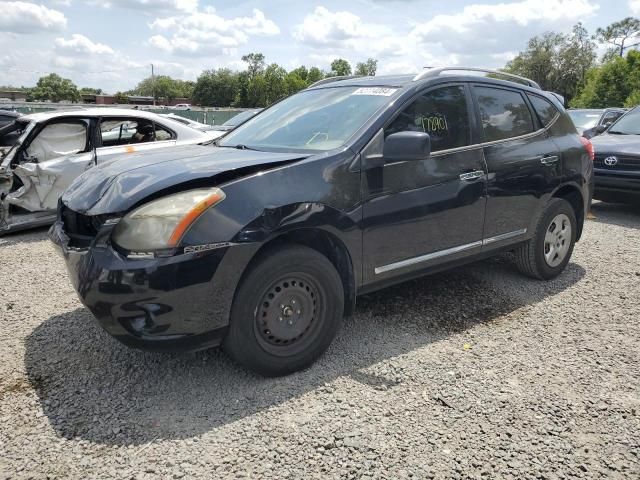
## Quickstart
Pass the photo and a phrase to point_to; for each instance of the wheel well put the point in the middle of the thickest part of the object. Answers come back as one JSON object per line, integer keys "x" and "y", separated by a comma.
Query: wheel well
{"x": 574, "y": 197}
{"x": 329, "y": 246}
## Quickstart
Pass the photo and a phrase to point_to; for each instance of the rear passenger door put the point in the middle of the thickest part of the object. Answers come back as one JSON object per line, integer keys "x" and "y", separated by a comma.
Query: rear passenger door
{"x": 418, "y": 214}
{"x": 524, "y": 165}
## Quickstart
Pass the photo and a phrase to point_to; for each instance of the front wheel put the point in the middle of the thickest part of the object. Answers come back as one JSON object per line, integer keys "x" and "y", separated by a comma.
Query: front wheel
{"x": 546, "y": 255}
{"x": 287, "y": 311}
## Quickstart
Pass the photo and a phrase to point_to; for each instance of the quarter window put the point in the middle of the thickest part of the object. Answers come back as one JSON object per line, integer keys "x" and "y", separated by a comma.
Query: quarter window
{"x": 504, "y": 114}
{"x": 545, "y": 109}
{"x": 442, "y": 113}
{"x": 162, "y": 133}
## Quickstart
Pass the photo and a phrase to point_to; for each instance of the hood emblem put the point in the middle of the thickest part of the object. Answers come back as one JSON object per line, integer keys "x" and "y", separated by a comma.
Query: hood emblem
{"x": 611, "y": 161}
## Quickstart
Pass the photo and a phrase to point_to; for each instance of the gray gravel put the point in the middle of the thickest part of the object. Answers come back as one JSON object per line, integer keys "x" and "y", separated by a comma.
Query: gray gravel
{"x": 473, "y": 373}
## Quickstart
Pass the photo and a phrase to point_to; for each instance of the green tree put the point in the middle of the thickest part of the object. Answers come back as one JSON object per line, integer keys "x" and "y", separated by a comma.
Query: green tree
{"x": 217, "y": 88}
{"x": 613, "y": 84}
{"x": 314, "y": 75}
{"x": 368, "y": 68}
{"x": 537, "y": 61}
{"x": 633, "y": 100}
{"x": 163, "y": 87}
{"x": 55, "y": 88}
{"x": 301, "y": 72}
{"x": 255, "y": 63}
{"x": 557, "y": 62}
{"x": 623, "y": 35}
{"x": 340, "y": 67}
{"x": 294, "y": 83}
{"x": 121, "y": 98}
{"x": 275, "y": 76}
{"x": 90, "y": 91}
{"x": 257, "y": 92}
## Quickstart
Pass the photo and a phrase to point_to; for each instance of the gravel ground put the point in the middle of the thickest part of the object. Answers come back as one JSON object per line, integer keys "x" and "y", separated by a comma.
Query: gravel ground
{"x": 474, "y": 373}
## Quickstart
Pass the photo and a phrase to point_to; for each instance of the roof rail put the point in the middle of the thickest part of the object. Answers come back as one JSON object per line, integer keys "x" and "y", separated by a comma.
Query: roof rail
{"x": 333, "y": 79}
{"x": 434, "y": 72}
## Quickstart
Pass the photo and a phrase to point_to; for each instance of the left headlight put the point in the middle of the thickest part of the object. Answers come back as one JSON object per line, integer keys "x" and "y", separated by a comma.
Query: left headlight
{"x": 162, "y": 223}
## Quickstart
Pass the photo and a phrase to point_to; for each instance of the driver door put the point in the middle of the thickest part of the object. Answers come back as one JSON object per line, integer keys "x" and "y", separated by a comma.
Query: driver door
{"x": 418, "y": 214}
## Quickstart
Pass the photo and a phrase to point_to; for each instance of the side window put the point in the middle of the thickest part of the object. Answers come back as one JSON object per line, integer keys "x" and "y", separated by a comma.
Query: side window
{"x": 162, "y": 133}
{"x": 59, "y": 139}
{"x": 126, "y": 131}
{"x": 611, "y": 117}
{"x": 545, "y": 109}
{"x": 504, "y": 113}
{"x": 442, "y": 113}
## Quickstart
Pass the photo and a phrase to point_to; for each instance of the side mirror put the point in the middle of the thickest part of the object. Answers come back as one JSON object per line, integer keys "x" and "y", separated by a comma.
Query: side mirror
{"x": 407, "y": 146}
{"x": 601, "y": 128}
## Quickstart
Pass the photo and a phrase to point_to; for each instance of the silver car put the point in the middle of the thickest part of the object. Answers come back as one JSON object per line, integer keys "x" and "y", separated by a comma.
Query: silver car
{"x": 49, "y": 150}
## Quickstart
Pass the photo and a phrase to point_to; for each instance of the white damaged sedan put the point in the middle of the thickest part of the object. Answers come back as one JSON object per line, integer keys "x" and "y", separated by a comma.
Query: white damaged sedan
{"x": 47, "y": 151}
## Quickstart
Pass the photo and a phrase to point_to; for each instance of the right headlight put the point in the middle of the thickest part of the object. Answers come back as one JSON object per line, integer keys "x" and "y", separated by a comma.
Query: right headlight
{"x": 161, "y": 224}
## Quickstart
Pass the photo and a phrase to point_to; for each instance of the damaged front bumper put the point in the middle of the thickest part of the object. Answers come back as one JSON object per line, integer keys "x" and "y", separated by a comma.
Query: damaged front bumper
{"x": 180, "y": 302}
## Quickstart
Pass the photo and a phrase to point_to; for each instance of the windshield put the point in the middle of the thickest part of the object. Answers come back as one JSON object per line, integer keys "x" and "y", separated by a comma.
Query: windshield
{"x": 241, "y": 117}
{"x": 585, "y": 118}
{"x": 317, "y": 120}
{"x": 628, "y": 124}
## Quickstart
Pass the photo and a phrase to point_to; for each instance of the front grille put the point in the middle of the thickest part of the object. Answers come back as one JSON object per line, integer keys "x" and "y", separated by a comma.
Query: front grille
{"x": 81, "y": 229}
{"x": 625, "y": 162}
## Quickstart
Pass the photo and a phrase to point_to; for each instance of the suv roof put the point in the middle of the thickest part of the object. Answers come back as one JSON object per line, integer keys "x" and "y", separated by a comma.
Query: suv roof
{"x": 428, "y": 74}
{"x": 440, "y": 74}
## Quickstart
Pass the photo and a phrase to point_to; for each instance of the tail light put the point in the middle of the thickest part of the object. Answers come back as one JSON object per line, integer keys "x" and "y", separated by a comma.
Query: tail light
{"x": 589, "y": 146}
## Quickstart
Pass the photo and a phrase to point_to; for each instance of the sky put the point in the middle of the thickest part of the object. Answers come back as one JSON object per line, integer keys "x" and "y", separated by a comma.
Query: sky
{"x": 111, "y": 44}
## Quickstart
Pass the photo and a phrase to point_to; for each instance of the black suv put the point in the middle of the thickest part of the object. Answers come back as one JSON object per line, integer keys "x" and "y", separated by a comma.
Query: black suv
{"x": 263, "y": 242}
{"x": 617, "y": 162}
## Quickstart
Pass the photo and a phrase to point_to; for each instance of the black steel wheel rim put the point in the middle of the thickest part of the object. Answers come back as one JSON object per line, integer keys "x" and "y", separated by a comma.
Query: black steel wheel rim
{"x": 288, "y": 314}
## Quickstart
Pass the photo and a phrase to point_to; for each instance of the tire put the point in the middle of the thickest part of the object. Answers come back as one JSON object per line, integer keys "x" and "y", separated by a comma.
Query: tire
{"x": 546, "y": 255}
{"x": 286, "y": 312}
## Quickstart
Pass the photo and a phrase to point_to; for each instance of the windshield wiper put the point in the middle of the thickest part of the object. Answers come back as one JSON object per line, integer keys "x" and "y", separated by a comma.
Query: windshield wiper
{"x": 617, "y": 132}
{"x": 240, "y": 146}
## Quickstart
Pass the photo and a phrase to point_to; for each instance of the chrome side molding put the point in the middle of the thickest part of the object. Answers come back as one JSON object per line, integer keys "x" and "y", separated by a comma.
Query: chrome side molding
{"x": 449, "y": 251}
{"x": 504, "y": 236}
{"x": 425, "y": 258}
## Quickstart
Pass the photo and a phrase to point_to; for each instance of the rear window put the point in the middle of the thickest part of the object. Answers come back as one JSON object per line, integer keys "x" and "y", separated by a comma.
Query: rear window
{"x": 544, "y": 108}
{"x": 504, "y": 113}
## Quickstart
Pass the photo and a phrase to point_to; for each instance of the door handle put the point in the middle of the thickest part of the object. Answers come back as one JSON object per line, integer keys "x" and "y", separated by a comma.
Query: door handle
{"x": 550, "y": 160}
{"x": 469, "y": 176}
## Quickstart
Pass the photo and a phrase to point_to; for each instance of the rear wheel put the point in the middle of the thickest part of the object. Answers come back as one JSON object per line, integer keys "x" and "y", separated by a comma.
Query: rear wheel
{"x": 286, "y": 311}
{"x": 546, "y": 255}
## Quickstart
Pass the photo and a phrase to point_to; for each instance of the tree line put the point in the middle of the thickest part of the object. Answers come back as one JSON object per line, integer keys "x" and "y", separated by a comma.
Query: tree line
{"x": 568, "y": 64}
{"x": 259, "y": 85}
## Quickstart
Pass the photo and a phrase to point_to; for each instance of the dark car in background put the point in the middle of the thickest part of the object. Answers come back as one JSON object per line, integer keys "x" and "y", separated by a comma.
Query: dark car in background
{"x": 617, "y": 160}
{"x": 592, "y": 122}
{"x": 264, "y": 242}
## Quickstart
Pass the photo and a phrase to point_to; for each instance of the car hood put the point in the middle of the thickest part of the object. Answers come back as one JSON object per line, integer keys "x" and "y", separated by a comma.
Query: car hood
{"x": 119, "y": 185}
{"x": 617, "y": 144}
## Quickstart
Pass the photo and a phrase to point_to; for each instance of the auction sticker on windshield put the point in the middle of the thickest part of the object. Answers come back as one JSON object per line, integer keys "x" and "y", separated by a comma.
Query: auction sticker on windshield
{"x": 378, "y": 91}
